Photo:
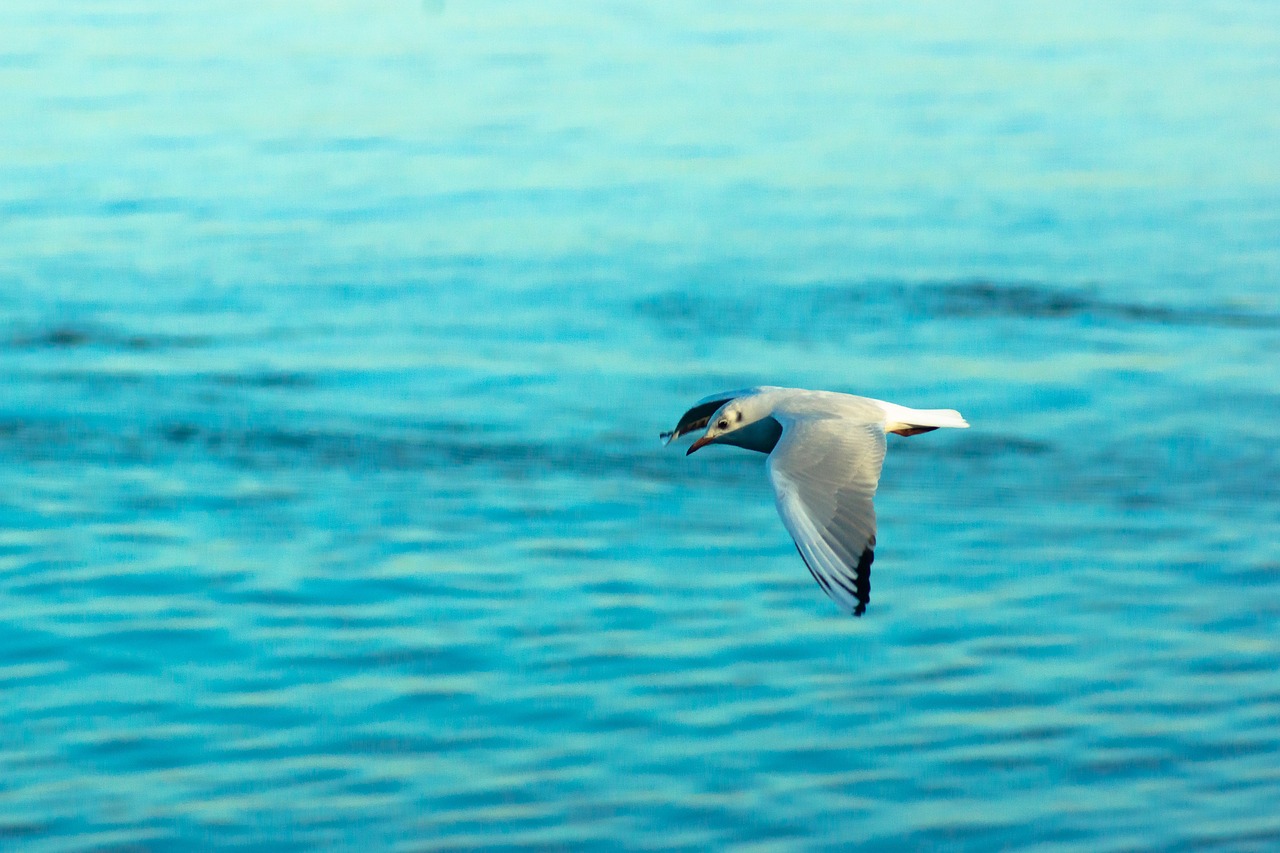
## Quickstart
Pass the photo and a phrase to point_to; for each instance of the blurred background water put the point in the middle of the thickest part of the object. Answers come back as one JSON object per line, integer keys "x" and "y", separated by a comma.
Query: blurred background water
{"x": 336, "y": 338}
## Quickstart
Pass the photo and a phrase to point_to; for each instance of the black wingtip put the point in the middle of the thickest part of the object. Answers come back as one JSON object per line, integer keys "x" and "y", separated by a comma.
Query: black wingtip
{"x": 861, "y": 590}
{"x": 862, "y": 583}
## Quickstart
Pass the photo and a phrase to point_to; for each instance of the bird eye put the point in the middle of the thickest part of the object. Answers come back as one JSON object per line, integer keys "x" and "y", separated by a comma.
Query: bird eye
{"x": 723, "y": 424}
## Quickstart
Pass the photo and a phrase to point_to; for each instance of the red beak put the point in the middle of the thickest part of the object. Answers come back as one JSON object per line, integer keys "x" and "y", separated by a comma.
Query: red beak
{"x": 702, "y": 442}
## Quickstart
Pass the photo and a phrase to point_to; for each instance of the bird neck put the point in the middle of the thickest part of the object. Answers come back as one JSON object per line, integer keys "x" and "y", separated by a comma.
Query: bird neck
{"x": 761, "y": 436}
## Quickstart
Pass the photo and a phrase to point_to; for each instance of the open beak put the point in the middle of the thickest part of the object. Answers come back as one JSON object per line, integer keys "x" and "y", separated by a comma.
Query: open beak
{"x": 702, "y": 442}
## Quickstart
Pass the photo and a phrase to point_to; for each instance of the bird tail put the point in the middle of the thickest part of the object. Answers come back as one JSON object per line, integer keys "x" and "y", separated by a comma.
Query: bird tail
{"x": 904, "y": 421}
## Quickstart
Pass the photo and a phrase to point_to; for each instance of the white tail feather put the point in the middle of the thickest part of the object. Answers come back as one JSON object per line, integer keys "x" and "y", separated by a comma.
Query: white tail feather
{"x": 900, "y": 419}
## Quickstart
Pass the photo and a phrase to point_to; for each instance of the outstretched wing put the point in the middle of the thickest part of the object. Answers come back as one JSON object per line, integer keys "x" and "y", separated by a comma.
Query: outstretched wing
{"x": 824, "y": 472}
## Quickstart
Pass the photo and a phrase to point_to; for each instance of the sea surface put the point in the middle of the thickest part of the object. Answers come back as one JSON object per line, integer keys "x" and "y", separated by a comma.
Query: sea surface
{"x": 335, "y": 342}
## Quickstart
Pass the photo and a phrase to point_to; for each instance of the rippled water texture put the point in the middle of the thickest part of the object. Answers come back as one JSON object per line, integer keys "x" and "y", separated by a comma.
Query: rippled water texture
{"x": 336, "y": 339}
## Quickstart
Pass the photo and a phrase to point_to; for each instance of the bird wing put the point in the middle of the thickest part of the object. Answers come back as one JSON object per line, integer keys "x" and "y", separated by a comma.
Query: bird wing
{"x": 824, "y": 472}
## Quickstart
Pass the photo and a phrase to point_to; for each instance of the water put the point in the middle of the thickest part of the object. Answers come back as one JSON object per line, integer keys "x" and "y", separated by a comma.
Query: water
{"x": 336, "y": 341}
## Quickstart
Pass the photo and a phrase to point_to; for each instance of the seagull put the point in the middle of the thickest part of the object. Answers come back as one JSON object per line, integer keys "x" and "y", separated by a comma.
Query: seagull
{"x": 825, "y": 452}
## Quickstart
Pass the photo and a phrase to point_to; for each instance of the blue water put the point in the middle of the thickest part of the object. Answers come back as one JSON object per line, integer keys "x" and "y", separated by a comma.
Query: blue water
{"x": 336, "y": 339}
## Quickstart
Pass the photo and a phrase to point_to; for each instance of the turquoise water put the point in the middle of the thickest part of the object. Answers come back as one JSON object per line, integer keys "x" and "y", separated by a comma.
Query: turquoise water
{"x": 336, "y": 339}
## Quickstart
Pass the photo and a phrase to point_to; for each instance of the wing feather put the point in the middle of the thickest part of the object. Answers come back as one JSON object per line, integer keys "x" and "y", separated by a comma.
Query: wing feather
{"x": 824, "y": 472}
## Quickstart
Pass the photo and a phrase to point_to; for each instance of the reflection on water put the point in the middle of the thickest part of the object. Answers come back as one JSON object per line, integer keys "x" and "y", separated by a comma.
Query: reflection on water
{"x": 333, "y": 511}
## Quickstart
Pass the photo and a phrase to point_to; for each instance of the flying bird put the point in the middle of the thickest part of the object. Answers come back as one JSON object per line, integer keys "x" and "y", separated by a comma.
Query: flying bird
{"x": 825, "y": 453}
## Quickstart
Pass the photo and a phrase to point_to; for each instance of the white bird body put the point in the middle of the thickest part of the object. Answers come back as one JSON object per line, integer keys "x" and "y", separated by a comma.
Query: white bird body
{"x": 825, "y": 451}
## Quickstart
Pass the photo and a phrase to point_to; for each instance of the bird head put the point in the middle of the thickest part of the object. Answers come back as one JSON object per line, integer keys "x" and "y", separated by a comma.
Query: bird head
{"x": 725, "y": 421}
